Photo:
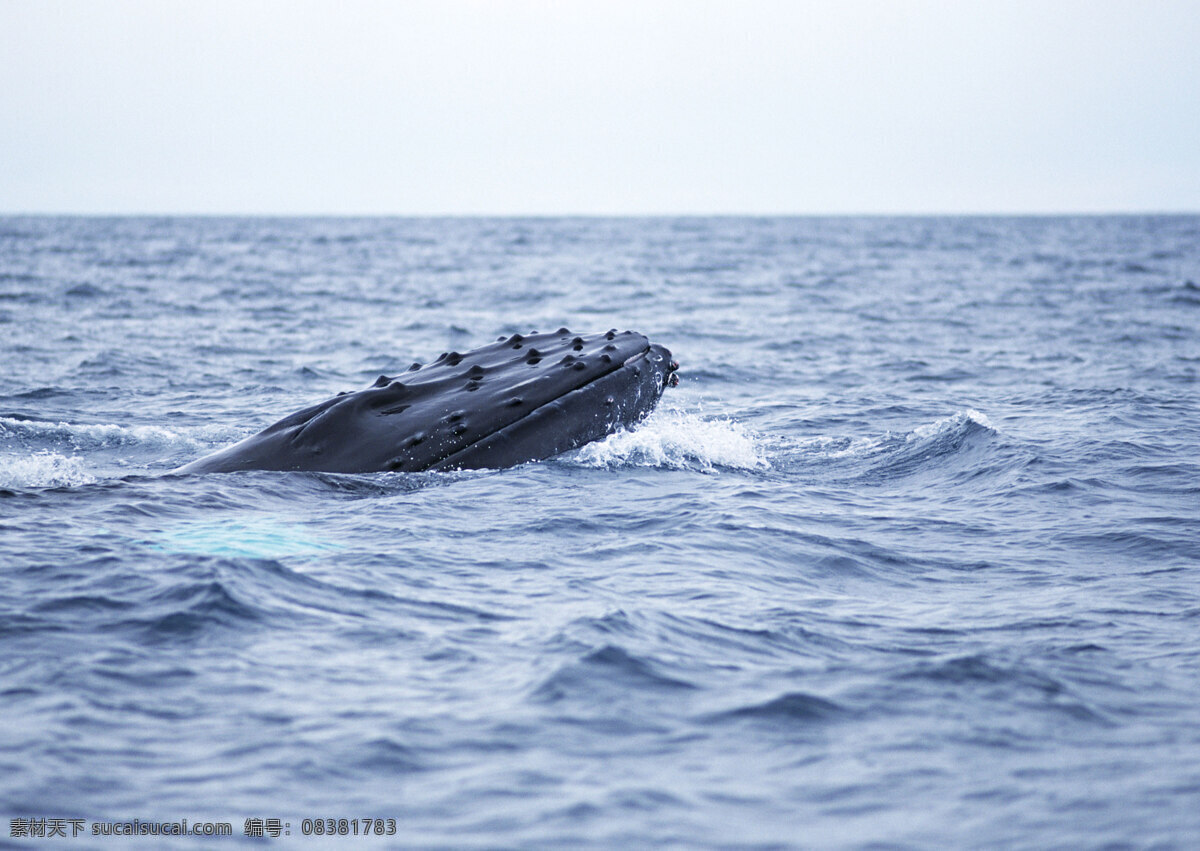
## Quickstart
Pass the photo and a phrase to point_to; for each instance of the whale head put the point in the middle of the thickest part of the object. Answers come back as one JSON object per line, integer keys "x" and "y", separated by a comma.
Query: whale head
{"x": 521, "y": 398}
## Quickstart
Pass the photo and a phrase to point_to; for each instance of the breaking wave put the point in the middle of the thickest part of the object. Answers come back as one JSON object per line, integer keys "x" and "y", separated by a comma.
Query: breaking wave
{"x": 91, "y": 437}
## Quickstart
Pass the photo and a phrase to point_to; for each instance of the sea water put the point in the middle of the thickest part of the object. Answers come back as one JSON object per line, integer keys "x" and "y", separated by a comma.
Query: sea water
{"x": 910, "y": 558}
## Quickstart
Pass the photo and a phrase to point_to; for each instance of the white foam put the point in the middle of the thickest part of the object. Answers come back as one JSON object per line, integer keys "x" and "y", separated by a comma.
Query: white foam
{"x": 43, "y": 470}
{"x": 677, "y": 440}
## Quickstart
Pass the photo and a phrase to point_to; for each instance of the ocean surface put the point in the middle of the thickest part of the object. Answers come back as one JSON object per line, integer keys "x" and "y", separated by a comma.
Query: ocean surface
{"x": 910, "y": 558}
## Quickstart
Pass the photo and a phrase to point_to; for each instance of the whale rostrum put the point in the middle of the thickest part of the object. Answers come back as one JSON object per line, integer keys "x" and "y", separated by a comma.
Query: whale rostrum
{"x": 522, "y": 398}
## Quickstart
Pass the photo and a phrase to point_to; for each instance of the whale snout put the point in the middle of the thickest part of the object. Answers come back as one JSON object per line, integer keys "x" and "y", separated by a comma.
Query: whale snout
{"x": 672, "y": 379}
{"x": 519, "y": 399}
{"x": 661, "y": 357}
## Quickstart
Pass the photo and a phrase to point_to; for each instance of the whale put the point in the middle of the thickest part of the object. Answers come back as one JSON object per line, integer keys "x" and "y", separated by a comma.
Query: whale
{"x": 522, "y": 398}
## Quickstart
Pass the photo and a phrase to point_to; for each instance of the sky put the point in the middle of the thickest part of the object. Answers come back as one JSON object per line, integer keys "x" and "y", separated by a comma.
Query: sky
{"x": 528, "y": 107}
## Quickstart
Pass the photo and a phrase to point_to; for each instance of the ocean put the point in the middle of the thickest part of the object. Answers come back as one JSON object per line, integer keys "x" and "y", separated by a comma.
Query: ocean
{"x": 909, "y": 559}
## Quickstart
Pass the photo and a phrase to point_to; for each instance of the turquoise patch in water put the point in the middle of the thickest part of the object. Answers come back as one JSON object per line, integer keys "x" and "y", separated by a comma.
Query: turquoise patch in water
{"x": 264, "y": 538}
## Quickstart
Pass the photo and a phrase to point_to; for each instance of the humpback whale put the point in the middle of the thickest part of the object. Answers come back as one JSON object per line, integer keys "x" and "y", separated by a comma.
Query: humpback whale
{"x": 522, "y": 398}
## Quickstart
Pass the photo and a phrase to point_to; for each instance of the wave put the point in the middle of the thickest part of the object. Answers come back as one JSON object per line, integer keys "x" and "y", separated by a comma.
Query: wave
{"x": 88, "y": 437}
{"x": 677, "y": 440}
{"x": 1036, "y": 689}
{"x": 45, "y": 454}
{"x": 793, "y": 706}
{"x": 964, "y": 421}
{"x": 903, "y": 452}
{"x": 191, "y": 608}
{"x": 604, "y": 675}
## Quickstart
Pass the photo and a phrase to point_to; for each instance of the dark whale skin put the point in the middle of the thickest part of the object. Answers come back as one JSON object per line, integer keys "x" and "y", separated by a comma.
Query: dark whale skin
{"x": 522, "y": 398}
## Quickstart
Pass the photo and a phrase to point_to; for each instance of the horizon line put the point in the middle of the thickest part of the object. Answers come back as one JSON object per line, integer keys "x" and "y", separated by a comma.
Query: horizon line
{"x": 309, "y": 214}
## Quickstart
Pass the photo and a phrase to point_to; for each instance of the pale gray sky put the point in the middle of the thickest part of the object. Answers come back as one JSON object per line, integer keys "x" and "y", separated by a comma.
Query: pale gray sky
{"x": 599, "y": 107}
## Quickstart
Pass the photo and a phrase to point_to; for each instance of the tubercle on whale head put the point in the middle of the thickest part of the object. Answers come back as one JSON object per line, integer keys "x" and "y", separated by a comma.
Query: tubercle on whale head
{"x": 658, "y": 353}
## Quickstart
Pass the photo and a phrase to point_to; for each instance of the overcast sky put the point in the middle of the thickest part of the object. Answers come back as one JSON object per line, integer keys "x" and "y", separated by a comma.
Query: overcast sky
{"x": 599, "y": 107}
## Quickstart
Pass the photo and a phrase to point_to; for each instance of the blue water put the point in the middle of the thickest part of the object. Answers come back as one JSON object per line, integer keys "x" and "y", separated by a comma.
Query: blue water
{"x": 910, "y": 558}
